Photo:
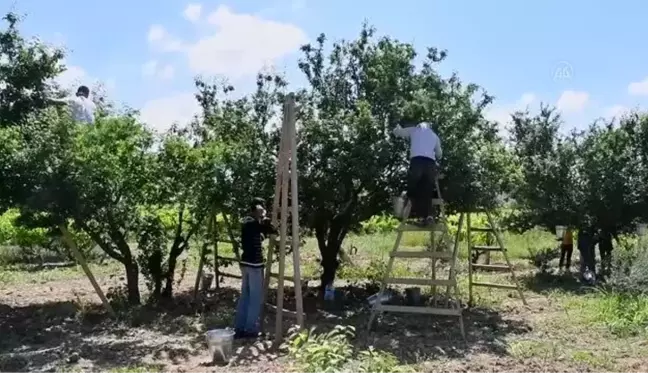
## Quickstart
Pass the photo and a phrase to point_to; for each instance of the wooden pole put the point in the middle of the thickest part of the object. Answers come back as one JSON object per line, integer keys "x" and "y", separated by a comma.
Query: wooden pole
{"x": 294, "y": 193}
{"x": 282, "y": 243}
{"x": 69, "y": 240}
{"x": 201, "y": 260}
{"x": 215, "y": 236}
{"x": 235, "y": 244}
{"x": 201, "y": 264}
{"x": 273, "y": 218}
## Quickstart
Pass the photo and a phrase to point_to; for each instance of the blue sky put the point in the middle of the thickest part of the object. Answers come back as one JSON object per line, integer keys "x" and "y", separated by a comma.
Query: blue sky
{"x": 146, "y": 52}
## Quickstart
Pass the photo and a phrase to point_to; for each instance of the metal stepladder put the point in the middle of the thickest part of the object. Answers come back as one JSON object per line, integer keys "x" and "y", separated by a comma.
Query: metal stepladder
{"x": 493, "y": 229}
{"x": 437, "y": 252}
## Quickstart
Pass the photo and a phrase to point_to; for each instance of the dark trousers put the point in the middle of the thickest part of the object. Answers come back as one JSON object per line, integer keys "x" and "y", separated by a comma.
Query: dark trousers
{"x": 421, "y": 182}
{"x": 566, "y": 252}
{"x": 605, "y": 249}
{"x": 586, "y": 247}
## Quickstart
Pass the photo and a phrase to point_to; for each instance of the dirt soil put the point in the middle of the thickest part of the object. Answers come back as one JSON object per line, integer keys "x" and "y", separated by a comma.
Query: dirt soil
{"x": 60, "y": 326}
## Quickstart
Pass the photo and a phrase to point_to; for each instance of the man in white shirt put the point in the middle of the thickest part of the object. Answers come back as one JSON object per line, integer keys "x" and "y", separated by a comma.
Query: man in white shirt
{"x": 425, "y": 151}
{"x": 81, "y": 107}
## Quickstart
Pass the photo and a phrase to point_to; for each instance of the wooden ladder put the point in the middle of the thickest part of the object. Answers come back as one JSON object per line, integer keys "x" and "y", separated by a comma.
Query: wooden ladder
{"x": 493, "y": 229}
{"x": 438, "y": 252}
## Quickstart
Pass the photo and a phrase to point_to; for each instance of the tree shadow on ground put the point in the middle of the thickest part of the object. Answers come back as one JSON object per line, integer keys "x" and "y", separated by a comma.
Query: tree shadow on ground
{"x": 544, "y": 282}
{"x": 414, "y": 338}
{"x": 61, "y": 335}
{"x": 54, "y": 334}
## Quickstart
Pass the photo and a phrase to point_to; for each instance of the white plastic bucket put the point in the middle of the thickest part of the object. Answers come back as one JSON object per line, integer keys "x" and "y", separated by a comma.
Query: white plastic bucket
{"x": 642, "y": 229}
{"x": 220, "y": 343}
{"x": 560, "y": 231}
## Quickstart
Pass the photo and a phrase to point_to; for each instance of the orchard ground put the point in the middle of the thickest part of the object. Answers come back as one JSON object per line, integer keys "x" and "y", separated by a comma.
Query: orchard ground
{"x": 51, "y": 319}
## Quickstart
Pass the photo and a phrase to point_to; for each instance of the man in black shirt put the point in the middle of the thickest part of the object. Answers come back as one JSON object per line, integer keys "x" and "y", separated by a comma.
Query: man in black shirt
{"x": 255, "y": 228}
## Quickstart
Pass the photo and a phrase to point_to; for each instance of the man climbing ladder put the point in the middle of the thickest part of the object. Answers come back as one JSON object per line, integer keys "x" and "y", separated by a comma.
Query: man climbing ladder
{"x": 425, "y": 151}
{"x": 437, "y": 252}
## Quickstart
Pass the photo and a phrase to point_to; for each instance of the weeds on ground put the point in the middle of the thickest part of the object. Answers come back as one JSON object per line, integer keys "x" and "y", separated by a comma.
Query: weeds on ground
{"x": 623, "y": 306}
{"x": 333, "y": 352}
{"x": 541, "y": 257}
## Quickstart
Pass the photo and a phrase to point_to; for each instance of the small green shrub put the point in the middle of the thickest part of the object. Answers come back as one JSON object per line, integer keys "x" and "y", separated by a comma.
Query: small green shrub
{"x": 379, "y": 224}
{"x": 327, "y": 352}
{"x": 333, "y": 352}
{"x": 541, "y": 258}
{"x": 38, "y": 245}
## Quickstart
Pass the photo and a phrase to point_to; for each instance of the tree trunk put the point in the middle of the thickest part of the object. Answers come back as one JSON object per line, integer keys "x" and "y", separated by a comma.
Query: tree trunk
{"x": 122, "y": 254}
{"x": 177, "y": 249}
{"x": 132, "y": 282}
{"x": 132, "y": 269}
{"x": 329, "y": 242}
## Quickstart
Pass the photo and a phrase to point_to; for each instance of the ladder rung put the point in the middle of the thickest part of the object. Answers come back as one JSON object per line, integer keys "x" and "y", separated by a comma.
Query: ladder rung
{"x": 424, "y": 310}
{"x": 492, "y": 267}
{"x": 482, "y": 229}
{"x": 420, "y": 281}
{"x": 421, "y": 254}
{"x": 488, "y": 248}
{"x": 417, "y": 228}
{"x": 289, "y": 313}
{"x": 491, "y": 285}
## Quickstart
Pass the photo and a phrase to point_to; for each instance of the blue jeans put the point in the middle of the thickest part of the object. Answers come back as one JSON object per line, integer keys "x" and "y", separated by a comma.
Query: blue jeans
{"x": 249, "y": 305}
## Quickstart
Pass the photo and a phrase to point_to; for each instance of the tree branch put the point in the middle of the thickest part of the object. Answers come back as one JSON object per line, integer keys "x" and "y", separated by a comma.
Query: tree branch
{"x": 96, "y": 237}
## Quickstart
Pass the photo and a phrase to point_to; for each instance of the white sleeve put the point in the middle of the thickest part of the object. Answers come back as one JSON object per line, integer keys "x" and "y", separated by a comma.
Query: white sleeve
{"x": 402, "y": 132}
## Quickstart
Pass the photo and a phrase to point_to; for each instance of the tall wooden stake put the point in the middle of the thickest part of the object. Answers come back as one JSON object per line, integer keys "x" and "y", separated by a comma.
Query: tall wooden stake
{"x": 286, "y": 180}
{"x": 69, "y": 240}
{"x": 291, "y": 114}
{"x": 282, "y": 250}
{"x": 274, "y": 217}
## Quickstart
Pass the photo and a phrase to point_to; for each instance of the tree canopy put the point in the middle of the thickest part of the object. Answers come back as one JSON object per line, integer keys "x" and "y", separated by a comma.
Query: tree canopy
{"x": 120, "y": 183}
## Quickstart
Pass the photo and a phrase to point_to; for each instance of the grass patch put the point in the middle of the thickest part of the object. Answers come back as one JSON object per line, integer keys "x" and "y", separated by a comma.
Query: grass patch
{"x": 594, "y": 361}
{"x": 625, "y": 315}
{"x": 22, "y": 274}
{"x": 527, "y": 349}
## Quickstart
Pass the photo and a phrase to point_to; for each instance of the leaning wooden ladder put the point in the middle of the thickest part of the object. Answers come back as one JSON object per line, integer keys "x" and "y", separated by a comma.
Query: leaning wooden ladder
{"x": 437, "y": 252}
{"x": 493, "y": 229}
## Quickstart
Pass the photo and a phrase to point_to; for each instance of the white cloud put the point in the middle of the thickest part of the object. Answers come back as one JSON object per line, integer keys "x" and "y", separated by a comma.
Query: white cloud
{"x": 149, "y": 68}
{"x": 72, "y": 77}
{"x": 572, "y": 101}
{"x": 615, "y": 111}
{"x": 162, "y": 113}
{"x": 153, "y": 68}
{"x": 241, "y": 45}
{"x": 166, "y": 72}
{"x": 192, "y": 12}
{"x": 639, "y": 88}
{"x": 156, "y": 33}
{"x": 159, "y": 38}
{"x": 502, "y": 113}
